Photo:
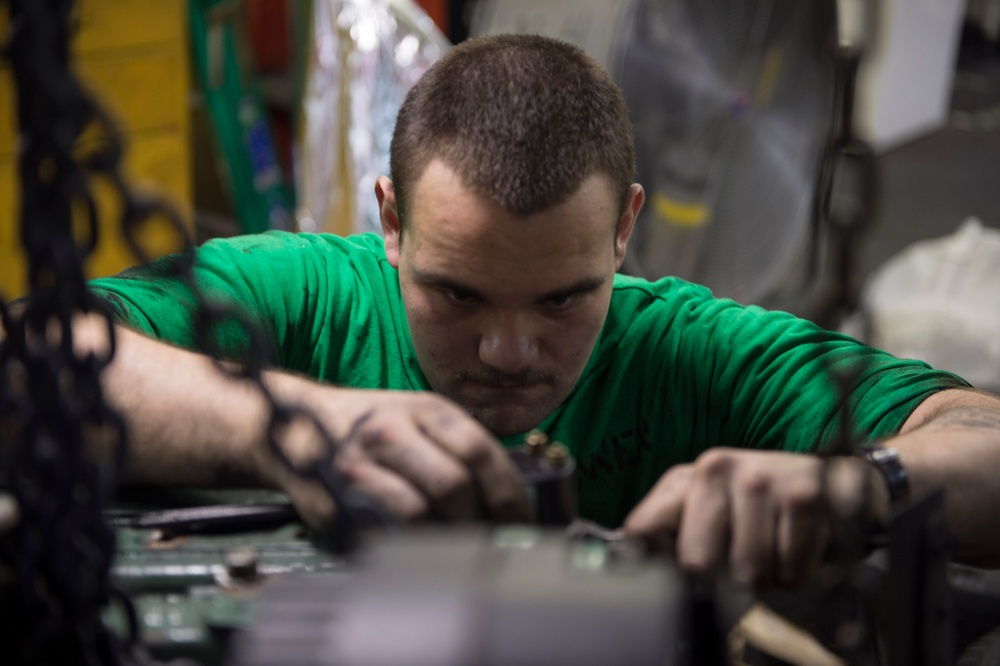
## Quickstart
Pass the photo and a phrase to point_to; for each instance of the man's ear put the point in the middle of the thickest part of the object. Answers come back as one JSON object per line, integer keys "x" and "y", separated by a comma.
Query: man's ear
{"x": 626, "y": 223}
{"x": 390, "y": 219}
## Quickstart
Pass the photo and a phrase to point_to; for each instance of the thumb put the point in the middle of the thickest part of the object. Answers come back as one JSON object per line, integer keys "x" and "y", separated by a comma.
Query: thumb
{"x": 656, "y": 519}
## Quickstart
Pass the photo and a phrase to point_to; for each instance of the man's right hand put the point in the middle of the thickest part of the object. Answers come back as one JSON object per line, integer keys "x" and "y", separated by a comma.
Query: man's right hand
{"x": 189, "y": 423}
{"x": 419, "y": 454}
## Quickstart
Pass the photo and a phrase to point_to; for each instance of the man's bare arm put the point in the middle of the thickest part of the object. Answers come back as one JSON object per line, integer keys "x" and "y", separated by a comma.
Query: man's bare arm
{"x": 952, "y": 441}
{"x": 762, "y": 516}
{"x": 191, "y": 424}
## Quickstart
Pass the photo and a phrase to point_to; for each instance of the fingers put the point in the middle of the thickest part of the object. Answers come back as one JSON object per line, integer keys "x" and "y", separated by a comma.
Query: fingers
{"x": 422, "y": 455}
{"x": 803, "y": 532}
{"x": 493, "y": 476}
{"x": 311, "y": 501}
{"x": 657, "y": 518}
{"x": 704, "y": 541}
{"x": 760, "y": 517}
{"x": 753, "y": 553}
{"x": 394, "y": 492}
{"x": 435, "y": 479}
{"x": 316, "y": 508}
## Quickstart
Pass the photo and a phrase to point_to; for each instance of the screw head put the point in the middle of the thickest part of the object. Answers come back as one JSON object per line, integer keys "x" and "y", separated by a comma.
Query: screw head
{"x": 241, "y": 563}
{"x": 557, "y": 455}
{"x": 536, "y": 441}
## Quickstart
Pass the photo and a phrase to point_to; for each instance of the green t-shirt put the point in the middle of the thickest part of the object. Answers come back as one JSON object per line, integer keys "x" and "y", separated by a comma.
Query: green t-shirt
{"x": 674, "y": 372}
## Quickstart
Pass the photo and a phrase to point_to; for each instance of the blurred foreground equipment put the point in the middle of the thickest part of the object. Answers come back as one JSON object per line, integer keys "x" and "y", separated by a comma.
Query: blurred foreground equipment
{"x": 514, "y": 595}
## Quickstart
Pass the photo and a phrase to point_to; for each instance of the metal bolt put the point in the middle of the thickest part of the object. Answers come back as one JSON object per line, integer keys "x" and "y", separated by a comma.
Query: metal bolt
{"x": 557, "y": 454}
{"x": 536, "y": 441}
{"x": 241, "y": 563}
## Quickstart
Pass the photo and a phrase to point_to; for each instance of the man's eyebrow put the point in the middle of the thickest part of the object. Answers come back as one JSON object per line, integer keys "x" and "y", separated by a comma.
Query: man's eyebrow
{"x": 579, "y": 287}
{"x": 442, "y": 282}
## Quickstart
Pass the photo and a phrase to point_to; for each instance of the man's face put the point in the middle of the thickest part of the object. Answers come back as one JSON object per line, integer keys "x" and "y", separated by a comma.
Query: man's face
{"x": 505, "y": 310}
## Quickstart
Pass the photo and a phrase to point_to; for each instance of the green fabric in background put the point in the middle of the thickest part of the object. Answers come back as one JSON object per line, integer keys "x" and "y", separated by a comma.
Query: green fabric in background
{"x": 248, "y": 160}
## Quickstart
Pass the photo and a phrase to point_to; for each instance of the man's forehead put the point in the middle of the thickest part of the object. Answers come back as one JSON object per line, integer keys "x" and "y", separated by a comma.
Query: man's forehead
{"x": 455, "y": 233}
{"x": 439, "y": 173}
{"x": 471, "y": 247}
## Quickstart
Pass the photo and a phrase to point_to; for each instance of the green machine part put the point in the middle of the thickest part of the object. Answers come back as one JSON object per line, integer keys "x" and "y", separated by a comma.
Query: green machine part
{"x": 259, "y": 190}
{"x": 194, "y": 583}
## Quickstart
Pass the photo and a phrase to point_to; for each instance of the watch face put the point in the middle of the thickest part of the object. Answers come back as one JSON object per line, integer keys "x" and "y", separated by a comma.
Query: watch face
{"x": 888, "y": 463}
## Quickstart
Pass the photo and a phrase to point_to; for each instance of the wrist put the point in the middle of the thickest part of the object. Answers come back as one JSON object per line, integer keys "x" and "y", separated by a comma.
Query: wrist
{"x": 299, "y": 440}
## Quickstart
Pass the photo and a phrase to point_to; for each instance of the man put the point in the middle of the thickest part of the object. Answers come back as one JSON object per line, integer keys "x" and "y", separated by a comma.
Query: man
{"x": 495, "y": 295}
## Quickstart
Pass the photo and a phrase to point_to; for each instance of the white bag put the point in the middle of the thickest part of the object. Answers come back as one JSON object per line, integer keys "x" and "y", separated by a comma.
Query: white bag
{"x": 939, "y": 301}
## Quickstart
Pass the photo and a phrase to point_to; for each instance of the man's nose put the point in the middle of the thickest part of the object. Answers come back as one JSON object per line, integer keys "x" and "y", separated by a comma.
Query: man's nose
{"x": 508, "y": 345}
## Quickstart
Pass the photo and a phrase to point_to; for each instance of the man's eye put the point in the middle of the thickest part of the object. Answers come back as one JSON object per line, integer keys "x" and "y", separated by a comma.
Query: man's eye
{"x": 459, "y": 297}
{"x": 561, "y": 302}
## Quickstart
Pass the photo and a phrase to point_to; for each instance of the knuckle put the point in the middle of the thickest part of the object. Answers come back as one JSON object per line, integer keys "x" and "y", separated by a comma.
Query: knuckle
{"x": 802, "y": 498}
{"x": 679, "y": 474}
{"x": 477, "y": 453}
{"x": 714, "y": 463}
{"x": 375, "y": 438}
{"x": 755, "y": 482}
{"x": 435, "y": 403}
{"x": 350, "y": 463}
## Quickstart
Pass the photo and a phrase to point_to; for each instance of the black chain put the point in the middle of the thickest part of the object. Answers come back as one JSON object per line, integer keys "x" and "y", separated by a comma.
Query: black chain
{"x": 51, "y": 400}
{"x": 845, "y": 198}
{"x": 61, "y": 551}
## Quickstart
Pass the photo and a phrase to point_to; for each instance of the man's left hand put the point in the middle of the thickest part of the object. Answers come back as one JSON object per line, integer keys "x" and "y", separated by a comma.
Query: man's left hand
{"x": 762, "y": 517}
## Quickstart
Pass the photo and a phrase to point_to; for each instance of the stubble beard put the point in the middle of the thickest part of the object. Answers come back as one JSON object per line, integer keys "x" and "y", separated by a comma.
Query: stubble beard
{"x": 502, "y": 419}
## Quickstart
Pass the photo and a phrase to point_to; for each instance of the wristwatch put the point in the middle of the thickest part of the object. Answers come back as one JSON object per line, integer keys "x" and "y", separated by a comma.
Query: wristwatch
{"x": 886, "y": 461}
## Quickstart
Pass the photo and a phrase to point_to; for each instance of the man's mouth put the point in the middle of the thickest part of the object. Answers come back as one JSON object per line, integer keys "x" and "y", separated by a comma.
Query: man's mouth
{"x": 494, "y": 380}
{"x": 509, "y": 385}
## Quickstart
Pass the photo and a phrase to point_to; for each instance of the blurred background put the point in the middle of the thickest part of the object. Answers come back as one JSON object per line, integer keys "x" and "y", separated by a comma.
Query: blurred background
{"x": 775, "y": 173}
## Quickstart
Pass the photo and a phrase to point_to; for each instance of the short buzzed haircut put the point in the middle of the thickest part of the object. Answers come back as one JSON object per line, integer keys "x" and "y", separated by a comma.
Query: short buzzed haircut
{"x": 523, "y": 119}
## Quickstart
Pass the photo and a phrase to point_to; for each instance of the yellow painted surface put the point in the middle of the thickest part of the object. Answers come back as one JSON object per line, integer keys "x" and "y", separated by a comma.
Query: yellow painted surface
{"x": 144, "y": 87}
{"x": 13, "y": 279}
{"x": 154, "y": 164}
{"x": 146, "y": 90}
{"x": 680, "y": 213}
{"x": 8, "y": 119}
{"x": 121, "y": 24}
{"x": 159, "y": 157}
{"x": 133, "y": 55}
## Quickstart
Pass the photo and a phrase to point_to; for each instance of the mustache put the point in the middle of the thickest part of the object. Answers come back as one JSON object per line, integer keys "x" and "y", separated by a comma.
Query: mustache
{"x": 495, "y": 379}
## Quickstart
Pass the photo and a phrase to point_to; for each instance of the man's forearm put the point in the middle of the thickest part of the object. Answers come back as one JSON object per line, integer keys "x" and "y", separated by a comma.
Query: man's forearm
{"x": 188, "y": 423}
{"x": 952, "y": 441}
